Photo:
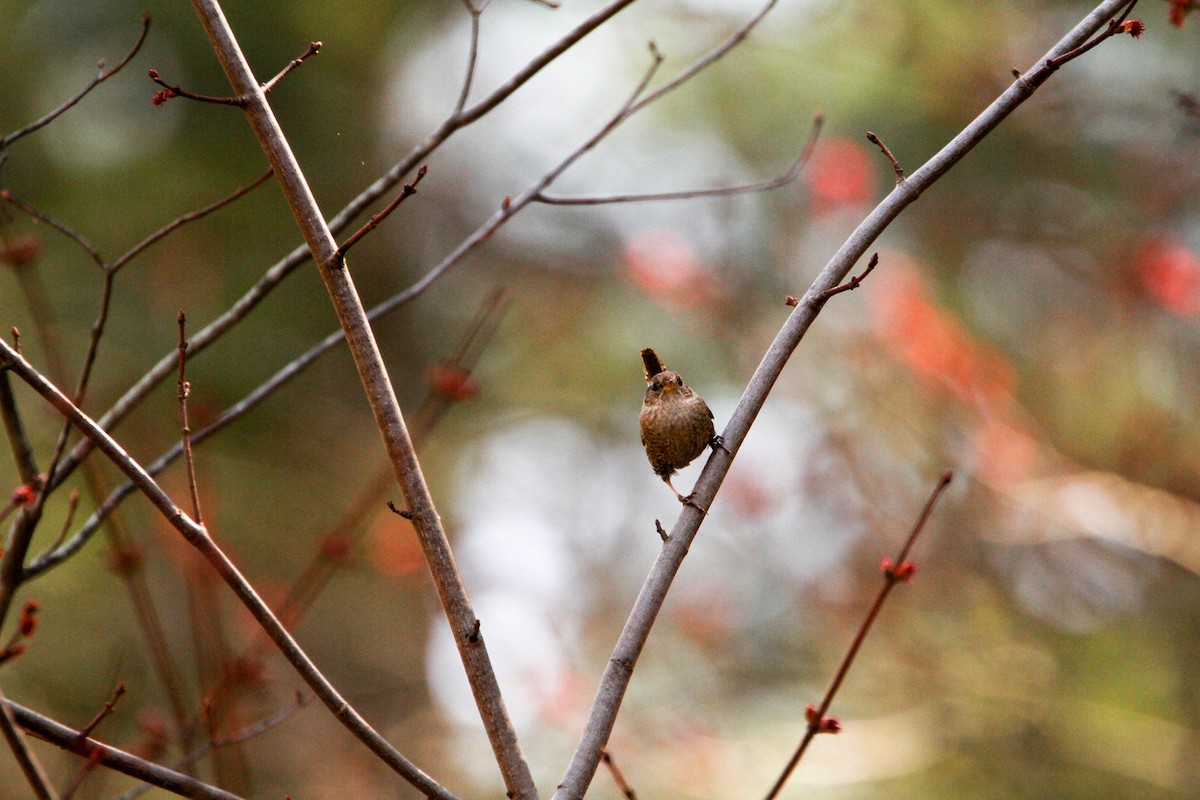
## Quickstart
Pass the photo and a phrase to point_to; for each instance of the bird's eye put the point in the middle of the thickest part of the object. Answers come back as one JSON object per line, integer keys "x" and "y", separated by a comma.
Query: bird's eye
{"x": 678, "y": 381}
{"x": 655, "y": 385}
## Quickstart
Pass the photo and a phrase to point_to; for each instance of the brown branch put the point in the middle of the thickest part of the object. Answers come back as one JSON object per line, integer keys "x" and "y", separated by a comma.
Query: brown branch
{"x": 198, "y": 537}
{"x": 61, "y": 227}
{"x": 617, "y": 776}
{"x": 899, "y": 571}
{"x": 313, "y": 49}
{"x": 177, "y": 91}
{"x": 109, "y": 707}
{"x": 30, "y": 767}
{"x": 99, "y": 79}
{"x": 106, "y": 755}
{"x": 875, "y": 140}
{"x": 409, "y": 190}
{"x": 184, "y": 219}
{"x": 185, "y": 389}
{"x": 850, "y": 285}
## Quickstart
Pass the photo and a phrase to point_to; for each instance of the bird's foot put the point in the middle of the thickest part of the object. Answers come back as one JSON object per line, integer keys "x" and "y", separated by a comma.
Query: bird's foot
{"x": 718, "y": 443}
{"x": 690, "y": 500}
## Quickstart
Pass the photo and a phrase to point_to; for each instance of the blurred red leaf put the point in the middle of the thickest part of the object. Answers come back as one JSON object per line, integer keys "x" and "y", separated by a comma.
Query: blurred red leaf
{"x": 1170, "y": 272}
{"x": 840, "y": 175}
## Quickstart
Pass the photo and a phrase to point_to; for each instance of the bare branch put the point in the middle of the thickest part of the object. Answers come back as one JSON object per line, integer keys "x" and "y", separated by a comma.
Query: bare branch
{"x": 172, "y": 90}
{"x": 896, "y": 168}
{"x": 852, "y": 284}
{"x": 633, "y": 637}
{"x": 313, "y": 49}
{"x": 185, "y": 430}
{"x": 198, "y": 537}
{"x": 894, "y": 572}
{"x": 61, "y": 227}
{"x": 69, "y": 739}
{"x": 783, "y": 179}
{"x": 99, "y": 79}
{"x": 184, "y": 219}
{"x": 472, "y": 57}
{"x": 409, "y": 190}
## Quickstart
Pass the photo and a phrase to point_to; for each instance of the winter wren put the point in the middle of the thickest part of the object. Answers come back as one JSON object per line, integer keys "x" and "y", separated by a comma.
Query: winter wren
{"x": 676, "y": 423}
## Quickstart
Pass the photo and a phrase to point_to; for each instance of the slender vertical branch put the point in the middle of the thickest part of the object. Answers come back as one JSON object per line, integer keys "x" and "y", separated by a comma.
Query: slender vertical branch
{"x": 185, "y": 430}
{"x": 377, "y": 384}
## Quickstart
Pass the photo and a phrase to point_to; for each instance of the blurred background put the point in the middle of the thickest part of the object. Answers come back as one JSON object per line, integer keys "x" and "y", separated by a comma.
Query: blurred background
{"x": 1032, "y": 326}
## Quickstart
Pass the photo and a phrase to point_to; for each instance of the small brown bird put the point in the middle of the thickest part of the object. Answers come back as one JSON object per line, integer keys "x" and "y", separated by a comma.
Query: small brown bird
{"x": 676, "y": 423}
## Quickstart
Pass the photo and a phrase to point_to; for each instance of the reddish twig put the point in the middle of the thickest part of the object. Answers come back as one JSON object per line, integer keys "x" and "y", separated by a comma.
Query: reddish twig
{"x": 899, "y": 571}
{"x": 875, "y": 140}
{"x": 1116, "y": 27}
{"x": 313, "y": 49}
{"x": 99, "y": 79}
{"x": 850, "y": 285}
{"x": 617, "y": 776}
{"x": 185, "y": 389}
{"x": 409, "y": 190}
{"x": 178, "y": 91}
{"x": 109, "y": 707}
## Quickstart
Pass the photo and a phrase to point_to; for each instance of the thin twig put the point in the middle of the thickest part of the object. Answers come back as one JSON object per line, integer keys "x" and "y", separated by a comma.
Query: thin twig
{"x": 789, "y": 175}
{"x": 110, "y": 706}
{"x": 899, "y": 571}
{"x": 409, "y": 190}
{"x": 61, "y": 227}
{"x": 99, "y": 79}
{"x": 313, "y": 49}
{"x": 896, "y": 168}
{"x": 237, "y": 737}
{"x": 632, "y": 640}
{"x": 472, "y": 57}
{"x": 617, "y": 776}
{"x": 198, "y": 537}
{"x": 852, "y": 284}
{"x": 178, "y": 91}
{"x": 184, "y": 219}
{"x": 184, "y": 429}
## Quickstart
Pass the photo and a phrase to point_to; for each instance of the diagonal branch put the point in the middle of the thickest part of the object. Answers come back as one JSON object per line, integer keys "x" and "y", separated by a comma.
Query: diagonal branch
{"x": 198, "y": 537}
{"x": 80, "y": 744}
{"x": 619, "y": 670}
{"x": 101, "y": 77}
{"x": 377, "y": 384}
